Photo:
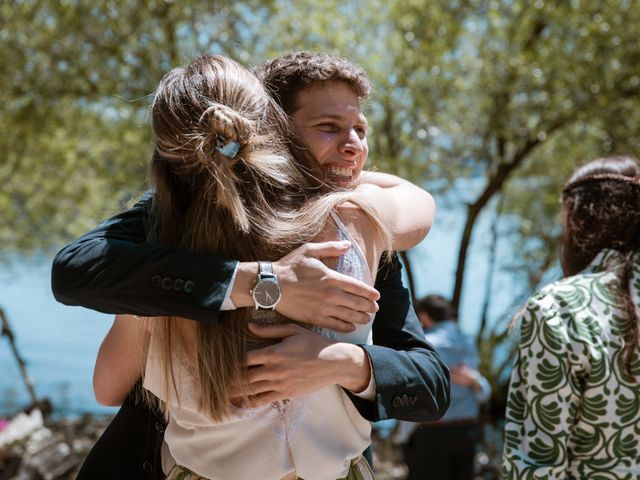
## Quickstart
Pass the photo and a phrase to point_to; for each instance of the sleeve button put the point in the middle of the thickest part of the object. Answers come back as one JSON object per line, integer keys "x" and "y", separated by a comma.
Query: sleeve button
{"x": 156, "y": 280}
{"x": 178, "y": 284}
{"x": 167, "y": 283}
{"x": 147, "y": 467}
{"x": 189, "y": 286}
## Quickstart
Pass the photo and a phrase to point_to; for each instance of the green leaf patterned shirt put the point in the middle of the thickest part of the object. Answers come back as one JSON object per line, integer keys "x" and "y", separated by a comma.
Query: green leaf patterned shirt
{"x": 573, "y": 412}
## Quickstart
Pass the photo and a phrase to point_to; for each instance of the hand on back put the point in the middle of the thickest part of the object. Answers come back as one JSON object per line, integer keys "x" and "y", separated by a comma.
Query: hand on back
{"x": 302, "y": 362}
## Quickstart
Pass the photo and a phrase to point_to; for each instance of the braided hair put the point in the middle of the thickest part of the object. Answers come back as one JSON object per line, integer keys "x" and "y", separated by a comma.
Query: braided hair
{"x": 601, "y": 209}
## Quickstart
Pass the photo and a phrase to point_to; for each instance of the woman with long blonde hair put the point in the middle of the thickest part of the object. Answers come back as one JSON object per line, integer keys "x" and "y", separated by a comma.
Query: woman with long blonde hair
{"x": 224, "y": 182}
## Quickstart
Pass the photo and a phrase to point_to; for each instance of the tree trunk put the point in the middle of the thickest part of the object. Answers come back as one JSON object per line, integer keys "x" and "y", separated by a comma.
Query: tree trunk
{"x": 495, "y": 184}
{"x": 493, "y": 247}
{"x": 7, "y": 332}
{"x": 472, "y": 215}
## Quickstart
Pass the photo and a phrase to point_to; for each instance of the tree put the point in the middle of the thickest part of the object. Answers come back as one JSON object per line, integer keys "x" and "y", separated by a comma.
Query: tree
{"x": 508, "y": 93}
{"x": 499, "y": 90}
{"x": 75, "y": 86}
{"x": 526, "y": 76}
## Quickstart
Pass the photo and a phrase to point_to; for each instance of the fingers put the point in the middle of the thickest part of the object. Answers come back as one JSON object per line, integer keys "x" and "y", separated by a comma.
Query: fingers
{"x": 354, "y": 303}
{"x": 355, "y": 287}
{"x": 333, "y": 323}
{"x": 259, "y": 357}
{"x": 274, "y": 331}
{"x": 263, "y": 355}
{"x": 268, "y": 354}
{"x": 347, "y": 315}
{"x": 340, "y": 309}
{"x": 251, "y": 389}
{"x": 258, "y": 392}
{"x": 260, "y": 400}
{"x": 327, "y": 249}
{"x": 339, "y": 280}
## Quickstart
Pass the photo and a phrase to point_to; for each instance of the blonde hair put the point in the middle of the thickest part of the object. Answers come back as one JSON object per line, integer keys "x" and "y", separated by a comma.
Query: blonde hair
{"x": 252, "y": 206}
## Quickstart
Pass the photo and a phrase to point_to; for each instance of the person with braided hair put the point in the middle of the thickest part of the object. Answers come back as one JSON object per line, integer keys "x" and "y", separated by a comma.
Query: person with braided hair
{"x": 224, "y": 182}
{"x": 573, "y": 404}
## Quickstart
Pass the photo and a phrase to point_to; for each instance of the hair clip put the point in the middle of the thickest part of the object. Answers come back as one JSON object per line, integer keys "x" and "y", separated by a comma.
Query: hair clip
{"x": 228, "y": 148}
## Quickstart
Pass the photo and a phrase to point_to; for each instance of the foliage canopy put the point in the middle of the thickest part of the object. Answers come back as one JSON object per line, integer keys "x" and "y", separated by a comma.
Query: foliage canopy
{"x": 509, "y": 93}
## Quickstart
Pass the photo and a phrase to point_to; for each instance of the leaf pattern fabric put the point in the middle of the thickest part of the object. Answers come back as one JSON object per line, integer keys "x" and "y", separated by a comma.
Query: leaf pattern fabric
{"x": 573, "y": 411}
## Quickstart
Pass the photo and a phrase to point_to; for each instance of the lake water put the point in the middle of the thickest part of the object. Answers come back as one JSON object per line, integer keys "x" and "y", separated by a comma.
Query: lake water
{"x": 60, "y": 343}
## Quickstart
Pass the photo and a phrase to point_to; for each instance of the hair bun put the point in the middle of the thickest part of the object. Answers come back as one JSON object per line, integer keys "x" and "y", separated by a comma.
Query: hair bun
{"x": 223, "y": 121}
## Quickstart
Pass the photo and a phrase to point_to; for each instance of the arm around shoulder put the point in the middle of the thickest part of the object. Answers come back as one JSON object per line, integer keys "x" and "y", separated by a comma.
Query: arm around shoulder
{"x": 113, "y": 269}
{"x": 405, "y": 208}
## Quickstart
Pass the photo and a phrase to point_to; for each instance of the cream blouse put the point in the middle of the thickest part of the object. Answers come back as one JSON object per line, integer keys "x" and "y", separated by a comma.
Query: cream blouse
{"x": 314, "y": 436}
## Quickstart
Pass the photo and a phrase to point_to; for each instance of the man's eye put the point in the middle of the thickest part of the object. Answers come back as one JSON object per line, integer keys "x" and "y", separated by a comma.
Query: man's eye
{"x": 362, "y": 132}
{"x": 328, "y": 127}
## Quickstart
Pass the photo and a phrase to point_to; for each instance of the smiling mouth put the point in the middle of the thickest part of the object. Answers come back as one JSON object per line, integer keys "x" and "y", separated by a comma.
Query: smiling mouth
{"x": 341, "y": 174}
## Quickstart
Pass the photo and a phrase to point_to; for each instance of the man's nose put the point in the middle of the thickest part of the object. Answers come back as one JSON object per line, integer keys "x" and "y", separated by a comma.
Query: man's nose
{"x": 352, "y": 145}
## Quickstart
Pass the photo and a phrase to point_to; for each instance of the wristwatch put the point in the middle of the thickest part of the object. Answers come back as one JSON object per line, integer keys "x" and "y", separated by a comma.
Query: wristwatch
{"x": 266, "y": 293}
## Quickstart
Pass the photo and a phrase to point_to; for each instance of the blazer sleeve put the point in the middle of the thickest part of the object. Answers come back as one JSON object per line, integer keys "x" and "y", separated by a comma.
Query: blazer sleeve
{"x": 112, "y": 269}
{"x": 412, "y": 381}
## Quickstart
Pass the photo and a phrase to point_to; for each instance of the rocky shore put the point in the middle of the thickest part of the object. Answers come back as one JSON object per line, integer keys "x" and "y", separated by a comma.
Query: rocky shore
{"x": 37, "y": 448}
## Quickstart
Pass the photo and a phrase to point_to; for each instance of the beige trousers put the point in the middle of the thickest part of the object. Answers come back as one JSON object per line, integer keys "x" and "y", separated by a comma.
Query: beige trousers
{"x": 359, "y": 470}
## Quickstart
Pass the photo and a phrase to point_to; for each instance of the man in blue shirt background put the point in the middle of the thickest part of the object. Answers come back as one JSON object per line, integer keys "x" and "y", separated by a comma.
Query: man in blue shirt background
{"x": 445, "y": 449}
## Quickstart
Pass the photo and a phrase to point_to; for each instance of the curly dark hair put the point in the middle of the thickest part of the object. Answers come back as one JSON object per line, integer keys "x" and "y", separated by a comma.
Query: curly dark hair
{"x": 284, "y": 76}
{"x": 601, "y": 209}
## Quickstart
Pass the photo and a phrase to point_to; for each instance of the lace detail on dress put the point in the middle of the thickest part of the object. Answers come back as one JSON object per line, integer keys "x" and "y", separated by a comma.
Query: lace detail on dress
{"x": 290, "y": 415}
{"x": 287, "y": 414}
{"x": 352, "y": 263}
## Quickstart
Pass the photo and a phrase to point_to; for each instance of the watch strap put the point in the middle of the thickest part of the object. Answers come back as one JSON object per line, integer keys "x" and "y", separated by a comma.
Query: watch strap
{"x": 265, "y": 274}
{"x": 265, "y": 270}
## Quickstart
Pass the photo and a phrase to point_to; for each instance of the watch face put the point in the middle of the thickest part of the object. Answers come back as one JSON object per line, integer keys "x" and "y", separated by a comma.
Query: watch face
{"x": 266, "y": 293}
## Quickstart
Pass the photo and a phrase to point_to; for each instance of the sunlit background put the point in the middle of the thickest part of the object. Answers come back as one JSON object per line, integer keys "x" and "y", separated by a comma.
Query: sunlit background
{"x": 488, "y": 104}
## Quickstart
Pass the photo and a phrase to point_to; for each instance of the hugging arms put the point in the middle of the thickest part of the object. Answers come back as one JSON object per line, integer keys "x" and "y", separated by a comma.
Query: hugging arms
{"x": 114, "y": 269}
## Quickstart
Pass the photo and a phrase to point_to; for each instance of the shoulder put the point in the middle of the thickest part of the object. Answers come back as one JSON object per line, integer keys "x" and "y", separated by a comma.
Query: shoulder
{"x": 357, "y": 221}
{"x": 567, "y": 310}
{"x": 573, "y": 294}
